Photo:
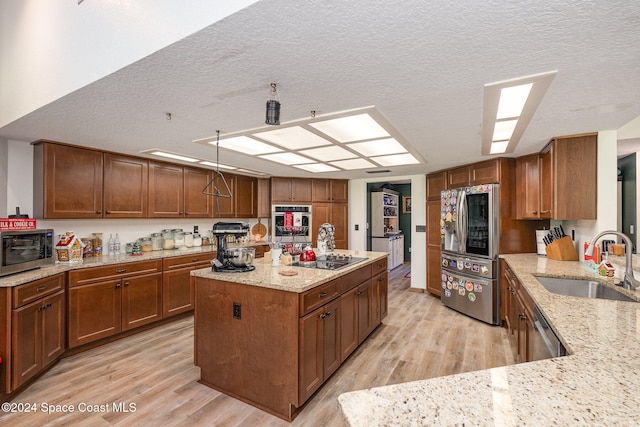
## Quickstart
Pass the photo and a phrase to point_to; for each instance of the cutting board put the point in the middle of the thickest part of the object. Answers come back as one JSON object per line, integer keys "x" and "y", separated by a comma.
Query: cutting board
{"x": 260, "y": 229}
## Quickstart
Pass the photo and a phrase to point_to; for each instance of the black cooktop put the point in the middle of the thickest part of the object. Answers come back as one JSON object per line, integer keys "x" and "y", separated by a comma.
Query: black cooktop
{"x": 331, "y": 262}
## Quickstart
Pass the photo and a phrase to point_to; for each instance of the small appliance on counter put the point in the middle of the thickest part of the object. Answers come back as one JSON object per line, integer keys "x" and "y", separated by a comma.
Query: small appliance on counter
{"x": 326, "y": 239}
{"x": 23, "y": 250}
{"x": 234, "y": 260}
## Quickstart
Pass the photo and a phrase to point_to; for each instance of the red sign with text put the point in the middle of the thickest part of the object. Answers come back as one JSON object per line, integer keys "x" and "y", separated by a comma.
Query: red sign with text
{"x": 8, "y": 224}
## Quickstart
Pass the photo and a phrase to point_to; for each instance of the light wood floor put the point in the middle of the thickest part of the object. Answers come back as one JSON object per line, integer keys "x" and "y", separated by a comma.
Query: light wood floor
{"x": 420, "y": 338}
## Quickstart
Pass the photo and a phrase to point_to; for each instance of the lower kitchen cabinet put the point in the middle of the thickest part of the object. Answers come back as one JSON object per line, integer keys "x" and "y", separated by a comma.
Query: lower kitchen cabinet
{"x": 104, "y": 301}
{"x": 517, "y": 314}
{"x": 177, "y": 283}
{"x": 37, "y": 330}
{"x": 319, "y": 347}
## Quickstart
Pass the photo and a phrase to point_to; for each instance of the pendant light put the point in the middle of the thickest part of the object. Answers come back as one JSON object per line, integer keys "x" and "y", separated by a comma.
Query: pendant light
{"x": 273, "y": 107}
{"x": 217, "y": 176}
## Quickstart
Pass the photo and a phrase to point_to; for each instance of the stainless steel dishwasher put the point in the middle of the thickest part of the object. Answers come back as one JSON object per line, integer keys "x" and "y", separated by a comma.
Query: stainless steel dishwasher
{"x": 544, "y": 342}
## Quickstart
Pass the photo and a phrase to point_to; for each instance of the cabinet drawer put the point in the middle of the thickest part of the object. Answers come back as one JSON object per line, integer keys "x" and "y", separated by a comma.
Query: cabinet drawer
{"x": 319, "y": 296}
{"x": 379, "y": 266}
{"x": 187, "y": 260}
{"x": 29, "y": 292}
{"x": 88, "y": 275}
{"x": 353, "y": 279}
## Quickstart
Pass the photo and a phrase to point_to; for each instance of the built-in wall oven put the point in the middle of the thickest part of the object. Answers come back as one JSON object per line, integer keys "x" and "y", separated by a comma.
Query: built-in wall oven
{"x": 291, "y": 223}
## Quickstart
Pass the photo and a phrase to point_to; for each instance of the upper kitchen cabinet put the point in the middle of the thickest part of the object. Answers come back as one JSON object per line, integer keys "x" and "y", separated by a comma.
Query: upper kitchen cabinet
{"x": 487, "y": 172}
{"x": 264, "y": 198}
{"x": 436, "y": 182}
{"x": 176, "y": 191}
{"x": 67, "y": 181}
{"x": 125, "y": 186}
{"x": 246, "y": 197}
{"x": 291, "y": 190}
{"x": 330, "y": 190}
{"x": 560, "y": 182}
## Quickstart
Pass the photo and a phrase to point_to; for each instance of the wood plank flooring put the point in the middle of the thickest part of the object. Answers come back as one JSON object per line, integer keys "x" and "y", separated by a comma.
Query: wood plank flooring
{"x": 153, "y": 370}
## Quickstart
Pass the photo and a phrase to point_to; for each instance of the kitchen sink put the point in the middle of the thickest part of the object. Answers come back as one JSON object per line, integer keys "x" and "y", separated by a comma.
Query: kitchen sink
{"x": 581, "y": 288}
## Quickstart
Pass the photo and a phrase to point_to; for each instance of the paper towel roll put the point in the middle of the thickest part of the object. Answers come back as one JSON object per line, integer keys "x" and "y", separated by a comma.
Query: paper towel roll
{"x": 540, "y": 243}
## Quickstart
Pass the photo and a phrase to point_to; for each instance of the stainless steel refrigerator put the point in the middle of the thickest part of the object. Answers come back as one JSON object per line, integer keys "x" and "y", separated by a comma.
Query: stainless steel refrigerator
{"x": 469, "y": 230}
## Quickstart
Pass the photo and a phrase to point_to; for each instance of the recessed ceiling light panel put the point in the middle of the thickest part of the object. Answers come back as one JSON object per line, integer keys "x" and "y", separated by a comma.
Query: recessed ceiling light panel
{"x": 396, "y": 160}
{"x": 317, "y": 167}
{"x": 378, "y": 147}
{"x": 287, "y": 158}
{"x": 293, "y": 138}
{"x": 352, "y": 128}
{"x": 327, "y": 154}
{"x": 353, "y": 164}
{"x": 173, "y": 156}
{"x": 503, "y": 130}
{"x": 217, "y": 165}
{"x": 247, "y": 145}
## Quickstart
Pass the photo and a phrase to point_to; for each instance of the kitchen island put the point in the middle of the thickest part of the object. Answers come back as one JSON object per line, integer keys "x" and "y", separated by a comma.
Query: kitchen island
{"x": 272, "y": 336}
{"x": 597, "y": 384}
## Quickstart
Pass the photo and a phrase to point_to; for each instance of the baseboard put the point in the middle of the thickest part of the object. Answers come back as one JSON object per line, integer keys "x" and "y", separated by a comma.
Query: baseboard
{"x": 419, "y": 290}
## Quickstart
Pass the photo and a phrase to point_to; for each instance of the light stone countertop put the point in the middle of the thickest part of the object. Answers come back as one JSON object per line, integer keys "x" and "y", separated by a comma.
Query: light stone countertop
{"x": 267, "y": 276}
{"x": 597, "y": 384}
{"x": 28, "y": 276}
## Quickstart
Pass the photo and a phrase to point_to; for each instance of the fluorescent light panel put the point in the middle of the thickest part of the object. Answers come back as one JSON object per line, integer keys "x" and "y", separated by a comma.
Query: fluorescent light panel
{"x": 219, "y": 165}
{"x": 512, "y": 100}
{"x": 396, "y": 160}
{"x": 247, "y": 145}
{"x": 353, "y": 164}
{"x": 317, "y": 167}
{"x": 293, "y": 138}
{"x": 326, "y": 154}
{"x": 499, "y": 147}
{"x": 287, "y": 158}
{"x": 173, "y": 156}
{"x": 378, "y": 147}
{"x": 504, "y": 129}
{"x": 351, "y": 128}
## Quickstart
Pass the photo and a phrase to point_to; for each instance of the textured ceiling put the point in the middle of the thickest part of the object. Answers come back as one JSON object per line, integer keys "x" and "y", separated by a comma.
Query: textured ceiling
{"x": 422, "y": 64}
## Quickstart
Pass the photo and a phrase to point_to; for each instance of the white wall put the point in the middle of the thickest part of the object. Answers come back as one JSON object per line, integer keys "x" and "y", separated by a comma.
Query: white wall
{"x": 607, "y": 189}
{"x": 4, "y": 150}
{"x": 51, "y": 48}
{"x": 358, "y": 215}
{"x": 19, "y": 178}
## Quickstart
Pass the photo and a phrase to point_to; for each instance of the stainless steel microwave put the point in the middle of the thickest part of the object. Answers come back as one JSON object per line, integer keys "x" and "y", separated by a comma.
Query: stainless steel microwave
{"x": 25, "y": 250}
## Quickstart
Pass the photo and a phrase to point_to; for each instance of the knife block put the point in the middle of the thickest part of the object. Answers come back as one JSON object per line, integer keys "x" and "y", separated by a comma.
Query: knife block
{"x": 562, "y": 250}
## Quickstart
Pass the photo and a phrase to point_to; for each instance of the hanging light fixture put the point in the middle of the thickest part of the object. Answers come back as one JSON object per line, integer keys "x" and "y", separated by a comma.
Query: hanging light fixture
{"x": 273, "y": 107}
{"x": 211, "y": 189}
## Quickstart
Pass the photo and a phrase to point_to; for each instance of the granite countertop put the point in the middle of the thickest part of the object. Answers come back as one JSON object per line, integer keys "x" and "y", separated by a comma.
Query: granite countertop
{"x": 597, "y": 384}
{"x": 28, "y": 276}
{"x": 267, "y": 276}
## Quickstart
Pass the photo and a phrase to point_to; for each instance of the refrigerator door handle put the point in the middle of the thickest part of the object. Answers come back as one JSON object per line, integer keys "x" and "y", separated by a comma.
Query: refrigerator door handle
{"x": 461, "y": 224}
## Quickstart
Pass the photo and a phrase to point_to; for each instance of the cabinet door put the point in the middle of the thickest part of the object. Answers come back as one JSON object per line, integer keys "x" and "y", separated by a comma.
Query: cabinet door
{"x": 321, "y": 190}
{"x": 26, "y": 346}
{"x": 458, "y": 177}
{"x": 125, "y": 186}
{"x": 246, "y": 197}
{"x": 301, "y": 190}
{"x": 436, "y": 182}
{"x": 264, "y": 198}
{"x": 141, "y": 300}
{"x": 224, "y": 207}
{"x": 546, "y": 183}
{"x": 94, "y": 312}
{"x": 331, "y": 356}
{"x": 433, "y": 247}
{"x": 72, "y": 182}
{"x": 528, "y": 187}
{"x": 340, "y": 190}
{"x": 196, "y": 204}
{"x": 177, "y": 291}
{"x": 320, "y": 214}
{"x": 166, "y": 191}
{"x": 54, "y": 329}
{"x": 310, "y": 375}
{"x": 522, "y": 332}
{"x": 340, "y": 220}
{"x": 349, "y": 323}
{"x": 281, "y": 190}
{"x": 365, "y": 297}
{"x": 382, "y": 282}
{"x": 485, "y": 173}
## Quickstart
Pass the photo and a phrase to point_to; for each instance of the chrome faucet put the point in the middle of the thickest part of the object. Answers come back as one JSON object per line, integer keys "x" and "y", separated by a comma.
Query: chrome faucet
{"x": 629, "y": 282}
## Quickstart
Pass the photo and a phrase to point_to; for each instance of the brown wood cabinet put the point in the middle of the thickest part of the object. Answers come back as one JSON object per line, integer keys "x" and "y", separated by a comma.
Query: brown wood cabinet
{"x": 264, "y": 198}
{"x": 246, "y": 197}
{"x": 517, "y": 314}
{"x": 67, "y": 181}
{"x": 486, "y": 172}
{"x": 332, "y": 213}
{"x": 528, "y": 185}
{"x": 125, "y": 187}
{"x": 291, "y": 190}
{"x": 436, "y": 182}
{"x": 301, "y": 338}
{"x": 38, "y": 330}
{"x": 104, "y": 301}
{"x": 176, "y": 191}
{"x": 196, "y": 204}
{"x": 330, "y": 190}
{"x": 177, "y": 283}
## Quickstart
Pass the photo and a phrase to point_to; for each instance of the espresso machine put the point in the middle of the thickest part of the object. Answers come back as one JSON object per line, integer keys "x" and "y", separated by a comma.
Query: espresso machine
{"x": 235, "y": 260}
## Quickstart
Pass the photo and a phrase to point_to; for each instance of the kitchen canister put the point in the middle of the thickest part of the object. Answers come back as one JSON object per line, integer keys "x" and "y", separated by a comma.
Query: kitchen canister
{"x": 156, "y": 241}
{"x": 178, "y": 239}
{"x": 197, "y": 240}
{"x": 275, "y": 257}
{"x": 188, "y": 239}
{"x": 167, "y": 239}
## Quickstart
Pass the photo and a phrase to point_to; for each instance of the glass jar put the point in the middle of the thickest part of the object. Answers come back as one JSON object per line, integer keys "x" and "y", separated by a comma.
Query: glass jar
{"x": 197, "y": 240}
{"x": 178, "y": 239}
{"x": 188, "y": 239}
{"x": 128, "y": 248}
{"x": 167, "y": 239}
{"x": 156, "y": 241}
{"x": 145, "y": 244}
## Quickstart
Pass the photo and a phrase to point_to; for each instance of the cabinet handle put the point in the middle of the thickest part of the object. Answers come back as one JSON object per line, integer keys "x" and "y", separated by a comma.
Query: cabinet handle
{"x": 41, "y": 288}
{"x": 186, "y": 213}
{"x": 98, "y": 212}
{"x": 118, "y": 285}
{"x": 195, "y": 259}
{"x": 545, "y": 212}
{"x": 535, "y": 212}
{"x": 124, "y": 270}
{"x": 108, "y": 212}
{"x": 381, "y": 279}
{"x": 47, "y": 305}
{"x": 180, "y": 213}
{"x": 41, "y": 308}
{"x": 322, "y": 295}
{"x": 359, "y": 293}
{"x": 327, "y": 314}
{"x": 126, "y": 283}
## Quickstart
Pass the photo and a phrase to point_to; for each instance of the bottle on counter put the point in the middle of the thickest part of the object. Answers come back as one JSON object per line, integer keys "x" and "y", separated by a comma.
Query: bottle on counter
{"x": 116, "y": 245}
{"x": 111, "y": 245}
